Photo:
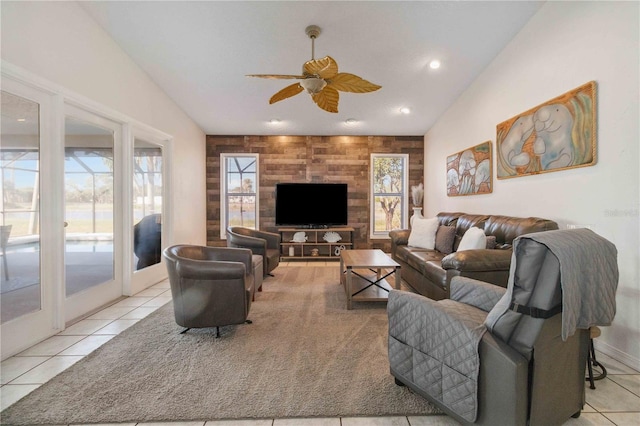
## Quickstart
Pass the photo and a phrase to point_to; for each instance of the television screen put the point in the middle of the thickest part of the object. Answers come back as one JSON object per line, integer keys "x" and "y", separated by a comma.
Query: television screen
{"x": 311, "y": 205}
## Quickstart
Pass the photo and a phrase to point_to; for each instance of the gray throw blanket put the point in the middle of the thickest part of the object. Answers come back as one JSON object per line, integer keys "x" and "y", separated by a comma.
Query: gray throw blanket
{"x": 589, "y": 277}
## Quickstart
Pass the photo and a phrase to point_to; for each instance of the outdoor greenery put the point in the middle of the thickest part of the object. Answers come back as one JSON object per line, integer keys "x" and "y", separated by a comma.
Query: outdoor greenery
{"x": 388, "y": 189}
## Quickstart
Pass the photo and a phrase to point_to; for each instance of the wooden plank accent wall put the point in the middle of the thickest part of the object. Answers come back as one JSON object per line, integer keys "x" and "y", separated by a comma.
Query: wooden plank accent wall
{"x": 341, "y": 159}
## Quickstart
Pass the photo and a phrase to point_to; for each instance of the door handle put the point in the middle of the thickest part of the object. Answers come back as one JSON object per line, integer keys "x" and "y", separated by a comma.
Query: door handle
{"x": 66, "y": 223}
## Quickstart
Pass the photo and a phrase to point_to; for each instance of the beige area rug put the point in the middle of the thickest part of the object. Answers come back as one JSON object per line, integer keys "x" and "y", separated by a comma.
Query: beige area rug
{"x": 304, "y": 355}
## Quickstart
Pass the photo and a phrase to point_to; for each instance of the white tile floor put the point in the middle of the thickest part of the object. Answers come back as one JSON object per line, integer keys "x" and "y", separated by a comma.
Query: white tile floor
{"x": 615, "y": 401}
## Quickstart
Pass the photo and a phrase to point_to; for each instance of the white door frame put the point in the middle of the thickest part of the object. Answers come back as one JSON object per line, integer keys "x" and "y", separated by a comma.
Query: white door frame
{"x": 136, "y": 281}
{"x": 54, "y": 100}
{"x": 23, "y": 332}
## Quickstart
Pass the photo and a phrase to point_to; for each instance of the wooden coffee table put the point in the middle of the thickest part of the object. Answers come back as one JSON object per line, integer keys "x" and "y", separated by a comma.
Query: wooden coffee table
{"x": 363, "y": 274}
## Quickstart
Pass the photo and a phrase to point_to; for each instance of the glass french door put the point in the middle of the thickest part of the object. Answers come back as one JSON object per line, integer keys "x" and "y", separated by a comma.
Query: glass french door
{"x": 27, "y": 282}
{"x": 74, "y": 185}
{"x": 90, "y": 198}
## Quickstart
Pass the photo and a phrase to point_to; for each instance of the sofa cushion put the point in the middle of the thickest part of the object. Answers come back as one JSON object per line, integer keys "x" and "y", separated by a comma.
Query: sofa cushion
{"x": 465, "y": 222}
{"x": 417, "y": 259}
{"x": 423, "y": 233}
{"x": 473, "y": 239}
{"x": 491, "y": 242}
{"x": 448, "y": 218}
{"x": 506, "y": 228}
{"x": 444, "y": 239}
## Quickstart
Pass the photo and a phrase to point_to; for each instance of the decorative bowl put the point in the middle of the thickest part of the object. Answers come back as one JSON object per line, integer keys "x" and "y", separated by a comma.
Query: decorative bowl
{"x": 331, "y": 237}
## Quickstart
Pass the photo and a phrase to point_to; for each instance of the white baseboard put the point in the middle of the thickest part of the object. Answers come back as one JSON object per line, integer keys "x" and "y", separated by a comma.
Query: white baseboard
{"x": 617, "y": 354}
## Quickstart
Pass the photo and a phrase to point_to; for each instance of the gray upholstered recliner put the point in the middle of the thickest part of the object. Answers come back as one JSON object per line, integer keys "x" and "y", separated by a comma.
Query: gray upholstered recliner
{"x": 265, "y": 244}
{"x": 514, "y": 356}
{"x": 211, "y": 286}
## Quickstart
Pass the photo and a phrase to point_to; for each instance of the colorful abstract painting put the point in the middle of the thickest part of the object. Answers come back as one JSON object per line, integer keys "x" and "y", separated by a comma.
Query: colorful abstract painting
{"x": 559, "y": 134}
{"x": 469, "y": 171}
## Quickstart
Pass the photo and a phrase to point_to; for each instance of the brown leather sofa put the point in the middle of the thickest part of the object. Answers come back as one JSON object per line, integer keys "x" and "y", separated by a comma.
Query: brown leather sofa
{"x": 429, "y": 272}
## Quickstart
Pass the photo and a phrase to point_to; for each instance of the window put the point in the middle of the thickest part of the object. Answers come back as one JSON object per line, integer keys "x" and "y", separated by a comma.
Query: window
{"x": 147, "y": 203}
{"x": 238, "y": 191}
{"x": 388, "y": 193}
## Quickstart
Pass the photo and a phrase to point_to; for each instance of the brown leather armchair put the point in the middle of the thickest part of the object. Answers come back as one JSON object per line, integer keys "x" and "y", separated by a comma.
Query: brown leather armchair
{"x": 265, "y": 244}
{"x": 515, "y": 356}
{"x": 211, "y": 286}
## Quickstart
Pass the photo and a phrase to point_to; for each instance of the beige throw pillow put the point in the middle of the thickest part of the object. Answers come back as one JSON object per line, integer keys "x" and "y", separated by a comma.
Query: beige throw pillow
{"x": 423, "y": 233}
{"x": 473, "y": 239}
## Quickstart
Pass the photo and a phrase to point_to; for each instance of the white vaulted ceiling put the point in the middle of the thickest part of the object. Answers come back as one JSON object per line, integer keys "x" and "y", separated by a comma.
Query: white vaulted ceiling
{"x": 199, "y": 53}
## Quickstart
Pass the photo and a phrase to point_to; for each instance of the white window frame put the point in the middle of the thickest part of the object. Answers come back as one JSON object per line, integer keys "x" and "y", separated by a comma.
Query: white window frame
{"x": 404, "y": 215}
{"x": 144, "y": 278}
{"x": 223, "y": 189}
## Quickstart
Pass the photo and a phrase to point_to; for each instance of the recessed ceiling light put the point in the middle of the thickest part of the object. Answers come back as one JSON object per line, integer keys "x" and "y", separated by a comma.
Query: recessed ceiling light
{"x": 405, "y": 110}
{"x": 22, "y": 119}
{"x": 435, "y": 64}
{"x": 351, "y": 121}
{"x": 275, "y": 121}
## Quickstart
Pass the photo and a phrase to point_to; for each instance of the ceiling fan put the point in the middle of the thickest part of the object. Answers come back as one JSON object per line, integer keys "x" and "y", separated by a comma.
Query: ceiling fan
{"x": 321, "y": 79}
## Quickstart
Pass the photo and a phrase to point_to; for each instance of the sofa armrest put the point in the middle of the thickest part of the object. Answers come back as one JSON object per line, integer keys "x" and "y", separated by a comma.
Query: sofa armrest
{"x": 476, "y": 293}
{"x": 478, "y": 260}
{"x": 399, "y": 236}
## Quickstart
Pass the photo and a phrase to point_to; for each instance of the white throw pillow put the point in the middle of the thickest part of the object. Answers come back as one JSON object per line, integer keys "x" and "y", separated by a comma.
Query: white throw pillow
{"x": 473, "y": 239}
{"x": 423, "y": 233}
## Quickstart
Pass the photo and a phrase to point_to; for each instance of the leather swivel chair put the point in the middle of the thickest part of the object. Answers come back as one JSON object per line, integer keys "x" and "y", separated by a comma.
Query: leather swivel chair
{"x": 265, "y": 244}
{"x": 210, "y": 286}
{"x": 515, "y": 356}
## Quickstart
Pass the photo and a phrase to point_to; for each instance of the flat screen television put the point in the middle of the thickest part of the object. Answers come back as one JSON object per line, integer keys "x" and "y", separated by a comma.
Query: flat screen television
{"x": 311, "y": 205}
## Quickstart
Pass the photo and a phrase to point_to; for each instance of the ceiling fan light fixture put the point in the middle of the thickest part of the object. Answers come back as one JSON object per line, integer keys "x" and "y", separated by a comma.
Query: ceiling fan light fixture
{"x": 313, "y": 85}
{"x": 321, "y": 79}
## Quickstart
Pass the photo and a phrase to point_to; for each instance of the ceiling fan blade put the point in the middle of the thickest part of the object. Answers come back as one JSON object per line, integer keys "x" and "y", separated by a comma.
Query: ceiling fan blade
{"x": 327, "y": 99}
{"x": 324, "y": 68}
{"x": 346, "y": 82}
{"x": 277, "y": 76}
{"x": 287, "y": 92}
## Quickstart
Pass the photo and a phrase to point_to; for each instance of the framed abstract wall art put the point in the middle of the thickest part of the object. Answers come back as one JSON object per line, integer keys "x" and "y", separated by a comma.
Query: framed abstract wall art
{"x": 469, "y": 171}
{"x": 559, "y": 134}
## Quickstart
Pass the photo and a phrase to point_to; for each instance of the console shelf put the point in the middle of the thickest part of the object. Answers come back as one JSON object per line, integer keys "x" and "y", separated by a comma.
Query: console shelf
{"x": 305, "y": 250}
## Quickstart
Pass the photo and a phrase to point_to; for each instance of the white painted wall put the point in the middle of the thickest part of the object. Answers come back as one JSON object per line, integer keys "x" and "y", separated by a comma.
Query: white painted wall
{"x": 565, "y": 45}
{"x": 59, "y": 42}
